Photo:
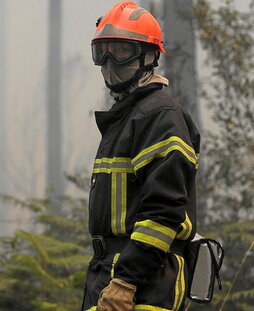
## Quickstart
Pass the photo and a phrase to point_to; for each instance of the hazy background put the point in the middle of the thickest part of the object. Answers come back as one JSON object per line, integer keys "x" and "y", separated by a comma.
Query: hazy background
{"x": 23, "y": 127}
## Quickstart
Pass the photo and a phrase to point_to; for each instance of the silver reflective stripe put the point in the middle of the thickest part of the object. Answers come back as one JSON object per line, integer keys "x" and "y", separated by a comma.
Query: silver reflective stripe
{"x": 163, "y": 148}
{"x": 113, "y": 165}
{"x": 113, "y": 31}
{"x": 118, "y": 203}
{"x": 154, "y": 233}
{"x": 135, "y": 15}
{"x": 116, "y": 164}
{"x": 160, "y": 150}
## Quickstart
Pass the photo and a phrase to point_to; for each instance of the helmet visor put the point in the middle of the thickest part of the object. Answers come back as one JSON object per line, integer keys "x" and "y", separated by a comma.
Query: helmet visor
{"x": 120, "y": 52}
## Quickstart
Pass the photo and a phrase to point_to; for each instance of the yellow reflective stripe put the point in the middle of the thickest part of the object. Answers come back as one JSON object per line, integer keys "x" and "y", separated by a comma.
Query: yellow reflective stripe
{"x": 161, "y": 149}
{"x": 164, "y": 143}
{"x": 113, "y": 204}
{"x": 113, "y": 264}
{"x": 151, "y": 232}
{"x": 149, "y": 308}
{"x": 123, "y": 203}
{"x": 145, "y": 238}
{"x": 180, "y": 284}
{"x": 187, "y": 229}
{"x": 113, "y": 165}
{"x": 118, "y": 203}
{"x": 156, "y": 226}
{"x": 198, "y": 156}
{"x": 163, "y": 154}
{"x": 113, "y": 170}
{"x": 185, "y": 145}
{"x": 114, "y": 159}
{"x": 151, "y": 148}
{"x": 92, "y": 309}
{"x": 179, "y": 291}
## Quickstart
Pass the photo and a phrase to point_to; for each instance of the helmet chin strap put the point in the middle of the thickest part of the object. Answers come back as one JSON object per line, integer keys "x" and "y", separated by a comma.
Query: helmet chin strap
{"x": 126, "y": 85}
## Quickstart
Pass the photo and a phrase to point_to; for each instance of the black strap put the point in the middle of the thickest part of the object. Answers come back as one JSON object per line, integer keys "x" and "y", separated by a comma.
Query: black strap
{"x": 105, "y": 246}
{"x": 214, "y": 260}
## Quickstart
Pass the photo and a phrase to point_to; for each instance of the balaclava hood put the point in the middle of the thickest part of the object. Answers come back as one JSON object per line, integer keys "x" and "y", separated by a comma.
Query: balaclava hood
{"x": 121, "y": 77}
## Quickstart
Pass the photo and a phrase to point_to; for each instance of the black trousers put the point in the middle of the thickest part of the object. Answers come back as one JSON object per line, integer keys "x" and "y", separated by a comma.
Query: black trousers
{"x": 166, "y": 289}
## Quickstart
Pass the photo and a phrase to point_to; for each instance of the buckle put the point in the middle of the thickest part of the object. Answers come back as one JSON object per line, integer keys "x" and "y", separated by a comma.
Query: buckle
{"x": 99, "y": 247}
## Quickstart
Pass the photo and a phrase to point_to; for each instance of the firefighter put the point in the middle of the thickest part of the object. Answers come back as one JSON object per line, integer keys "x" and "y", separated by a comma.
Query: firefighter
{"x": 142, "y": 210}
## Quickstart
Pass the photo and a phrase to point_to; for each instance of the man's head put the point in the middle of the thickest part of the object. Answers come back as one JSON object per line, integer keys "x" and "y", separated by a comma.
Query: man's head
{"x": 127, "y": 43}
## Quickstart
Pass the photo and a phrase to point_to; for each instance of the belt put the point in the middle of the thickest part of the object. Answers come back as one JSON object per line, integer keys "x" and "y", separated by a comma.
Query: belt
{"x": 105, "y": 246}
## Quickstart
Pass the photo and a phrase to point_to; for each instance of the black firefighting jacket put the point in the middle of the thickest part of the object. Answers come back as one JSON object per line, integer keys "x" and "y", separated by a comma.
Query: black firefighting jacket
{"x": 143, "y": 182}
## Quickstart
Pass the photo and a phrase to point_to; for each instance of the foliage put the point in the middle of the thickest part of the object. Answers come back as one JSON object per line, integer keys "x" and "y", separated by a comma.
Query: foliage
{"x": 45, "y": 271}
{"x": 227, "y": 183}
{"x": 227, "y": 36}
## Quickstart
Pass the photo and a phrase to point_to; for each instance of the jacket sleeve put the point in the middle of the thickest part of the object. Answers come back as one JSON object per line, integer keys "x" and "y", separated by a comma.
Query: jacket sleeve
{"x": 164, "y": 158}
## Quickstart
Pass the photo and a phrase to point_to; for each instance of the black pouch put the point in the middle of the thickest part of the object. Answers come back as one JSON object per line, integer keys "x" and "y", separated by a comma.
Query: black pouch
{"x": 204, "y": 260}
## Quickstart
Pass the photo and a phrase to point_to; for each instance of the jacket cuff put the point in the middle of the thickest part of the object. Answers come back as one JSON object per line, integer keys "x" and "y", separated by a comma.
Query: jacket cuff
{"x": 153, "y": 233}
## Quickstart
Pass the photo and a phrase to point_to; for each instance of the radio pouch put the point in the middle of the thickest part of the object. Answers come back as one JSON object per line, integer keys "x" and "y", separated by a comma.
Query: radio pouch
{"x": 204, "y": 260}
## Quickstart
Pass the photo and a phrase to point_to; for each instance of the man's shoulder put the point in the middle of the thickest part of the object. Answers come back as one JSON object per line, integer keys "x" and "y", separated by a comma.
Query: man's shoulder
{"x": 154, "y": 102}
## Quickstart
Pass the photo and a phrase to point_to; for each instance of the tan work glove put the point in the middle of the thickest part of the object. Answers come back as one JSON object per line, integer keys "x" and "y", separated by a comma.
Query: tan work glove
{"x": 117, "y": 296}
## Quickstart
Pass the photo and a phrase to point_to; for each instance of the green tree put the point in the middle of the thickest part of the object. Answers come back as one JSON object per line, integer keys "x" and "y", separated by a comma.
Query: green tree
{"x": 227, "y": 186}
{"x": 227, "y": 36}
{"x": 45, "y": 271}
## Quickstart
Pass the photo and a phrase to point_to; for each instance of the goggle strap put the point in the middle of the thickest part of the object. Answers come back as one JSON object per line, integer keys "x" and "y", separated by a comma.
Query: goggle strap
{"x": 142, "y": 60}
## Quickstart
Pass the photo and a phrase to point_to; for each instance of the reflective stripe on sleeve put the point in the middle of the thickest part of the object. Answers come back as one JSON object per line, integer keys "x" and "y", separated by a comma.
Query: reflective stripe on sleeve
{"x": 153, "y": 233}
{"x": 186, "y": 229}
{"x": 163, "y": 148}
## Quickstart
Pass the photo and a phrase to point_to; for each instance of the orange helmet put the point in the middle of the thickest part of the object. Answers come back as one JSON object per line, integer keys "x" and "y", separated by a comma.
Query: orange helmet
{"x": 127, "y": 20}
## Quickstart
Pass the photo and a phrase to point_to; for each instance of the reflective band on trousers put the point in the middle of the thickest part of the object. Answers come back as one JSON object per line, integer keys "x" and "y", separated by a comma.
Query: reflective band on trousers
{"x": 179, "y": 291}
{"x": 153, "y": 233}
{"x": 113, "y": 265}
{"x": 180, "y": 284}
{"x": 163, "y": 148}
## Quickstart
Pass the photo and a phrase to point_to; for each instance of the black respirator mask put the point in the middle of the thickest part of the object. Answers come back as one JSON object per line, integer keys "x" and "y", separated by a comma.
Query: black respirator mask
{"x": 123, "y": 62}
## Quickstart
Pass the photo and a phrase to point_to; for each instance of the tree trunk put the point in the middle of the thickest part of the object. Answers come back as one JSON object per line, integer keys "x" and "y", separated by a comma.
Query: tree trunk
{"x": 3, "y": 149}
{"x": 54, "y": 138}
{"x": 180, "y": 59}
{"x": 2, "y": 96}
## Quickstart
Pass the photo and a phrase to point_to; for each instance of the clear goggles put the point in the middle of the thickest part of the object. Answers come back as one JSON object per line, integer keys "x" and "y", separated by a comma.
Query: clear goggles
{"x": 120, "y": 51}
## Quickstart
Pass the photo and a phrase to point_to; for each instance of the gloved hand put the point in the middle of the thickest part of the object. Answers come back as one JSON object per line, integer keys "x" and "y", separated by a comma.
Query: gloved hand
{"x": 117, "y": 296}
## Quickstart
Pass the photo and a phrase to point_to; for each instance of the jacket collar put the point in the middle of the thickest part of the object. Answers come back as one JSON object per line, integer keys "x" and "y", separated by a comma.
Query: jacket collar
{"x": 121, "y": 107}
